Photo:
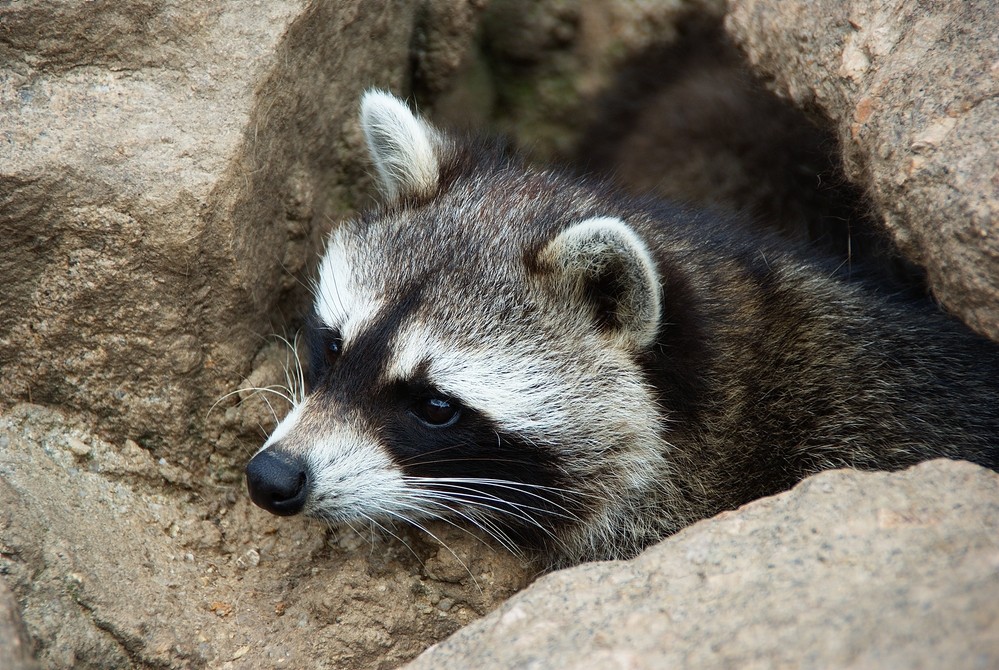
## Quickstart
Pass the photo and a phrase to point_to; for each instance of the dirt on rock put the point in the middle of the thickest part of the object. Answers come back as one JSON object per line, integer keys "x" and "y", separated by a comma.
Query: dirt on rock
{"x": 120, "y": 562}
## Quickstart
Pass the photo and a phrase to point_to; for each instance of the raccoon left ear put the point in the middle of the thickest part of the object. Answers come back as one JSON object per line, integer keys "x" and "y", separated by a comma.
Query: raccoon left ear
{"x": 404, "y": 148}
{"x": 605, "y": 263}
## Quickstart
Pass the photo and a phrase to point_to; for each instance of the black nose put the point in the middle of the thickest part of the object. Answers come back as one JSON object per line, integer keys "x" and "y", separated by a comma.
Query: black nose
{"x": 277, "y": 482}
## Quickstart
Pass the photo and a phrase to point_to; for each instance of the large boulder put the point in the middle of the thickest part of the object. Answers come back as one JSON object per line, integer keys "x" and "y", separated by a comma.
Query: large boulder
{"x": 848, "y": 569}
{"x": 167, "y": 172}
{"x": 913, "y": 91}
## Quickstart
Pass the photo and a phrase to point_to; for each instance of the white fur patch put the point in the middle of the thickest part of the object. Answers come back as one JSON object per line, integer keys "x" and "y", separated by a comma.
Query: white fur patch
{"x": 402, "y": 146}
{"x": 526, "y": 394}
{"x": 353, "y": 478}
{"x": 515, "y": 393}
{"x": 340, "y": 302}
{"x": 285, "y": 426}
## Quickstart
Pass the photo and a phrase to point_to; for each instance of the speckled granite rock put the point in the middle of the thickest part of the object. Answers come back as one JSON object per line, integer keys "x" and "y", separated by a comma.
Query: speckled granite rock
{"x": 848, "y": 569}
{"x": 913, "y": 89}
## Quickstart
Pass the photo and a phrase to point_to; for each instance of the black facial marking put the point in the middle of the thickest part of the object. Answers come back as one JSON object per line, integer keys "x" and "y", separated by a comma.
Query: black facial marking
{"x": 324, "y": 346}
{"x": 334, "y": 345}
{"x": 352, "y": 368}
{"x": 460, "y": 458}
{"x": 472, "y": 465}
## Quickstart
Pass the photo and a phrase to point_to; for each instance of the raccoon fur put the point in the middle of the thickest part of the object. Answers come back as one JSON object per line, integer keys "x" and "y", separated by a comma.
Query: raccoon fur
{"x": 580, "y": 373}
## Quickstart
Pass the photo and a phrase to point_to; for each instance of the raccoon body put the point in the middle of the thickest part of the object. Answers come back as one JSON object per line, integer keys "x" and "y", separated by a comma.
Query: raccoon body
{"x": 579, "y": 373}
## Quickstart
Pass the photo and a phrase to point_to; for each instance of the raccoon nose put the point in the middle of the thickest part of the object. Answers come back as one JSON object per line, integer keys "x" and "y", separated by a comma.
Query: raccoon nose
{"x": 277, "y": 482}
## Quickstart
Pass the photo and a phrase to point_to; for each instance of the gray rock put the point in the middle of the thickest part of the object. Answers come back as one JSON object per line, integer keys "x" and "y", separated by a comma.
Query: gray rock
{"x": 15, "y": 648}
{"x": 849, "y": 569}
{"x": 913, "y": 88}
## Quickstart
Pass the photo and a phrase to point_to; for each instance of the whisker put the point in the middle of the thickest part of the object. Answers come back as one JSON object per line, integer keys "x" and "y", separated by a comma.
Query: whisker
{"x": 508, "y": 482}
{"x": 423, "y": 528}
{"x": 255, "y": 389}
{"x": 294, "y": 378}
{"x": 476, "y": 495}
{"x": 515, "y": 513}
{"x": 462, "y": 484}
{"x": 475, "y": 501}
{"x": 374, "y": 522}
{"x": 411, "y": 461}
{"x": 494, "y": 532}
{"x": 482, "y": 522}
{"x": 271, "y": 408}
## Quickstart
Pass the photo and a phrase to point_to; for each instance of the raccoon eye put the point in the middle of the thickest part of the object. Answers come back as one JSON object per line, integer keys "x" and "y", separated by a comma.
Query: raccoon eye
{"x": 438, "y": 412}
{"x": 334, "y": 346}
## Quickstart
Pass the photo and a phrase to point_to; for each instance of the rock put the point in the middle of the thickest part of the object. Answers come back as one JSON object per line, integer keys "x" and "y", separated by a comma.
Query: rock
{"x": 913, "y": 89}
{"x": 848, "y": 569}
{"x": 168, "y": 171}
{"x": 115, "y": 570}
{"x": 445, "y": 35}
{"x": 15, "y": 648}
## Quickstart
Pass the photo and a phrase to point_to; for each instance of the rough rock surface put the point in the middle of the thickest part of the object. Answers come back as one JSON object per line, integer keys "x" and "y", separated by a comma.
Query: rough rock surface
{"x": 913, "y": 89}
{"x": 15, "y": 647}
{"x": 167, "y": 170}
{"x": 848, "y": 569}
{"x": 115, "y": 569}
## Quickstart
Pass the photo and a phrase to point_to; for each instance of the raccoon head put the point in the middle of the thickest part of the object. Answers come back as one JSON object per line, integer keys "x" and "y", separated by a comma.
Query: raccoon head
{"x": 474, "y": 349}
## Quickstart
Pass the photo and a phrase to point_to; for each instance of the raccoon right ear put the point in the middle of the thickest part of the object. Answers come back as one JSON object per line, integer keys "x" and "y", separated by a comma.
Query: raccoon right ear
{"x": 604, "y": 263}
{"x": 404, "y": 148}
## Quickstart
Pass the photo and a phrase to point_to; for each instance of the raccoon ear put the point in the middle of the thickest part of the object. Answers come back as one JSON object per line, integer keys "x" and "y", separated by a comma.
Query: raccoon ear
{"x": 404, "y": 148}
{"x": 605, "y": 263}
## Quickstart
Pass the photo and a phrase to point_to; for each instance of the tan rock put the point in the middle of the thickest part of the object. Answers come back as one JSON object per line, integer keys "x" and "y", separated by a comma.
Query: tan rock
{"x": 912, "y": 88}
{"x": 15, "y": 647}
{"x": 114, "y": 568}
{"x": 848, "y": 569}
{"x": 167, "y": 172}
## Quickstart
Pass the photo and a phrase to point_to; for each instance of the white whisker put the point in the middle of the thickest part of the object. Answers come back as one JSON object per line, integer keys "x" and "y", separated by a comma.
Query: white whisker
{"x": 482, "y": 524}
{"x": 423, "y": 528}
{"x": 256, "y": 389}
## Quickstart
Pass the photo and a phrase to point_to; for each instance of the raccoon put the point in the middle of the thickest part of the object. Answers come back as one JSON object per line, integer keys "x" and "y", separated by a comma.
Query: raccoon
{"x": 580, "y": 373}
